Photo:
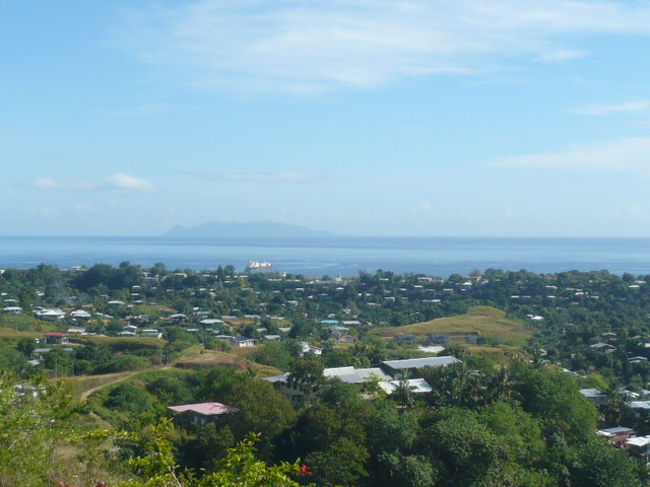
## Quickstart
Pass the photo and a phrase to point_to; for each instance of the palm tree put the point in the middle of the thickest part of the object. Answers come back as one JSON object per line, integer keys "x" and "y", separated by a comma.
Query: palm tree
{"x": 403, "y": 393}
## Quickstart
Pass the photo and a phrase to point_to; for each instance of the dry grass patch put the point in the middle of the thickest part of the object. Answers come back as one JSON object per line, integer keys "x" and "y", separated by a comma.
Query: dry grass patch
{"x": 485, "y": 321}
{"x": 236, "y": 360}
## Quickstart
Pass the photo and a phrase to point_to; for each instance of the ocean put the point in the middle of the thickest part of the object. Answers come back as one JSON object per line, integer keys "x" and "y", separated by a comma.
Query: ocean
{"x": 345, "y": 256}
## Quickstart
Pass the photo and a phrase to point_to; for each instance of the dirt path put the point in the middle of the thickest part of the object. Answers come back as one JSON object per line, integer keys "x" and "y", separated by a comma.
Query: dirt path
{"x": 127, "y": 375}
{"x": 119, "y": 378}
{"x": 86, "y": 394}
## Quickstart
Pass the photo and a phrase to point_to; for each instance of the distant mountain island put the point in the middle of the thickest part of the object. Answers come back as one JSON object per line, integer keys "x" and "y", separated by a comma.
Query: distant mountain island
{"x": 244, "y": 229}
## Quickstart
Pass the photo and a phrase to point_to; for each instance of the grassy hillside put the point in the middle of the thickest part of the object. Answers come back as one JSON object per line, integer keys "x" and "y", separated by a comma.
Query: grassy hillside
{"x": 14, "y": 328}
{"x": 235, "y": 359}
{"x": 84, "y": 385}
{"x": 143, "y": 403}
{"x": 122, "y": 343}
{"x": 489, "y": 323}
{"x": 25, "y": 323}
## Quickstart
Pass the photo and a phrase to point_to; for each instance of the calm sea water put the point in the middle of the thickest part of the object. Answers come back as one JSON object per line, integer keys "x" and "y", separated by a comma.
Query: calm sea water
{"x": 345, "y": 256}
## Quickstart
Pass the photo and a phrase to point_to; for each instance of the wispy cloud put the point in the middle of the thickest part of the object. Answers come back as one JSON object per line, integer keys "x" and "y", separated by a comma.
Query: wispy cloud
{"x": 629, "y": 154}
{"x": 605, "y": 109}
{"x": 285, "y": 45}
{"x": 127, "y": 182}
{"x": 561, "y": 55}
{"x": 264, "y": 177}
{"x": 119, "y": 181}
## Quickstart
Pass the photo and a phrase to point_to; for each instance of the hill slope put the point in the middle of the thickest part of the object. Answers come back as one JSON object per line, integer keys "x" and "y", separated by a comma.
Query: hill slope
{"x": 487, "y": 322}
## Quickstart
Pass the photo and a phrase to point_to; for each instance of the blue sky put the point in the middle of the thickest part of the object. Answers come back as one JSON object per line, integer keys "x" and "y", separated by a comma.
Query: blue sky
{"x": 464, "y": 118}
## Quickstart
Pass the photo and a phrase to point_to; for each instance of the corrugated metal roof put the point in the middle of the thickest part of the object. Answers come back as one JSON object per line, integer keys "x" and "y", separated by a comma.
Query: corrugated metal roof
{"x": 351, "y": 375}
{"x": 278, "y": 378}
{"x": 416, "y": 363}
{"x": 616, "y": 430}
{"x": 638, "y": 441}
{"x": 417, "y": 386}
{"x": 204, "y": 408}
{"x": 592, "y": 393}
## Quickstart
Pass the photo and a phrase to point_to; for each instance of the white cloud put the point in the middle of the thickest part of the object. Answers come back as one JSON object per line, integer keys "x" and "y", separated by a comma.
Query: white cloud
{"x": 628, "y": 154}
{"x": 561, "y": 55}
{"x": 119, "y": 181}
{"x": 127, "y": 182}
{"x": 261, "y": 176}
{"x": 45, "y": 183}
{"x": 632, "y": 106}
{"x": 299, "y": 46}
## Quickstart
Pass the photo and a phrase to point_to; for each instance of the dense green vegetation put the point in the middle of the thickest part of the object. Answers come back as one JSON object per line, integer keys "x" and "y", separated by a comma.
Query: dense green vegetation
{"x": 509, "y": 414}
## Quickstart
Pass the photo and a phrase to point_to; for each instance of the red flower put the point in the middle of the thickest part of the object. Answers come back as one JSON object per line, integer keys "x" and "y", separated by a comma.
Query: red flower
{"x": 305, "y": 470}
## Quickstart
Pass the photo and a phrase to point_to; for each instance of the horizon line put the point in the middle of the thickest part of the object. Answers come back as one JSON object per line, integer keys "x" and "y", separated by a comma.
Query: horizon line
{"x": 335, "y": 236}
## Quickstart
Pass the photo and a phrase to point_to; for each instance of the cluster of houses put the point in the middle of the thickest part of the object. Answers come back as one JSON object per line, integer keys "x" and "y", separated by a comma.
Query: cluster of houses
{"x": 608, "y": 343}
{"x": 622, "y": 436}
{"x": 626, "y": 438}
{"x": 639, "y": 406}
{"x": 389, "y": 375}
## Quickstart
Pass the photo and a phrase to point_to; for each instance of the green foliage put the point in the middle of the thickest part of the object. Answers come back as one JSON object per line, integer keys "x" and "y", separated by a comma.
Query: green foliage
{"x": 342, "y": 464}
{"x": 467, "y": 450}
{"x": 259, "y": 408}
{"x": 487, "y": 423}
{"x": 275, "y": 354}
{"x": 105, "y": 275}
{"x": 129, "y": 397}
{"x": 520, "y": 431}
{"x": 240, "y": 468}
{"x": 157, "y": 466}
{"x": 597, "y": 464}
{"x": 34, "y": 423}
{"x": 554, "y": 397}
{"x": 14, "y": 361}
{"x": 306, "y": 376}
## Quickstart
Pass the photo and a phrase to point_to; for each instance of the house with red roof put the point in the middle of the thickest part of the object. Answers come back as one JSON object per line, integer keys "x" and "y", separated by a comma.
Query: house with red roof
{"x": 201, "y": 413}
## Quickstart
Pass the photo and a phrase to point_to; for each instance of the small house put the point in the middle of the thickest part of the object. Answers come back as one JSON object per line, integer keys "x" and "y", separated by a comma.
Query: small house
{"x": 616, "y": 435}
{"x": 603, "y": 347}
{"x": 243, "y": 342}
{"x": 309, "y": 348}
{"x": 335, "y": 330}
{"x": 80, "y": 314}
{"x": 409, "y": 367}
{"x": 178, "y": 318}
{"x": 12, "y": 310}
{"x": 407, "y": 339}
{"x": 439, "y": 339}
{"x": 213, "y": 323}
{"x": 595, "y": 396}
{"x": 50, "y": 314}
{"x": 641, "y": 409}
{"x": 56, "y": 338}
{"x": 639, "y": 445}
{"x": 201, "y": 413}
{"x": 150, "y": 332}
